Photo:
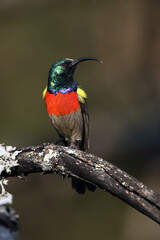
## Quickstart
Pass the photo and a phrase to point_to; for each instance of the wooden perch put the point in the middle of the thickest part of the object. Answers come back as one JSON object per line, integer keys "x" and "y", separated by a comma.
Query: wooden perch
{"x": 67, "y": 162}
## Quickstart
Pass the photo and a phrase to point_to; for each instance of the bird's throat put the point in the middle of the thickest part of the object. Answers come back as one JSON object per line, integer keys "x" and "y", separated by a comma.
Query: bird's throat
{"x": 66, "y": 90}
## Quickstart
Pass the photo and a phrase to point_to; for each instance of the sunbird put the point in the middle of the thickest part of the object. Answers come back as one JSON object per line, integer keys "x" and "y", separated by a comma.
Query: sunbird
{"x": 67, "y": 109}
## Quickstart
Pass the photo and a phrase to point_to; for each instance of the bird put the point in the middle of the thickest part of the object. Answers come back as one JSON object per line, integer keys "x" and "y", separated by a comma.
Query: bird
{"x": 66, "y": 104}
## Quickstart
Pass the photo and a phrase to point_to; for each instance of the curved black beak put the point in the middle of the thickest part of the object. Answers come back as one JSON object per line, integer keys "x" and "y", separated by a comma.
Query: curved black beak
{"x": 78, "y": 60}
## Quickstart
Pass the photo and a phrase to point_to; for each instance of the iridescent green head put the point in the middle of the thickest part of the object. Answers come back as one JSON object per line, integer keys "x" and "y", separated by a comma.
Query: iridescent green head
{"x": 61, "y": 74}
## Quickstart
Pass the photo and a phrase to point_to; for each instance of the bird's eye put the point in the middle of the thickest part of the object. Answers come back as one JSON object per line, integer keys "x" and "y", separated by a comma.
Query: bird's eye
{"x": 63, "y": 64}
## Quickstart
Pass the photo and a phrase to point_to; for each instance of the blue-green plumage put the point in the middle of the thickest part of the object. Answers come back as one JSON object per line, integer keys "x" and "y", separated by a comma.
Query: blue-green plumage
{"x": 61, "y": 76}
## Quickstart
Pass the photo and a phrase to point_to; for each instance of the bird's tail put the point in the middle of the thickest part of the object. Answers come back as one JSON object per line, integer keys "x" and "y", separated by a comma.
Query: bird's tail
{"x": 80, "y": 186}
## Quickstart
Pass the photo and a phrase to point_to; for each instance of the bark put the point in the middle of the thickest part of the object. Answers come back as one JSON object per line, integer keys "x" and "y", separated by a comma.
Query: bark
{"x": 67, "y": 162}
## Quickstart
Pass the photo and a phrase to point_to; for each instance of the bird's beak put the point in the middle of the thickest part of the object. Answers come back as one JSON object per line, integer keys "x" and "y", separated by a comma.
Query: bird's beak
{"x": 78, "y": 60}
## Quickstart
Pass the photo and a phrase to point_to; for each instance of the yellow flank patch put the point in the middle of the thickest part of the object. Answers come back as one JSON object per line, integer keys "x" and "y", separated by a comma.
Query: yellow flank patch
{"x": 81, "y": 95}
{"x": 44, "y": 93}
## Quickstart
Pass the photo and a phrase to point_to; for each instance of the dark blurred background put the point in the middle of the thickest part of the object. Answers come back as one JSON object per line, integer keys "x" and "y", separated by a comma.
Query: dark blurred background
{"x": 123, "y": 101}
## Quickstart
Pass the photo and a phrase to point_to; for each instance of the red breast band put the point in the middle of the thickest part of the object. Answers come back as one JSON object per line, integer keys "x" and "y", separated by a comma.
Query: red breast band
{"x": 61, "y": 104}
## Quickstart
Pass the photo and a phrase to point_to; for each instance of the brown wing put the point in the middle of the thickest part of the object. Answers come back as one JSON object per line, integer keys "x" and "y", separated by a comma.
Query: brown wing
{"x": 86, "y": 126}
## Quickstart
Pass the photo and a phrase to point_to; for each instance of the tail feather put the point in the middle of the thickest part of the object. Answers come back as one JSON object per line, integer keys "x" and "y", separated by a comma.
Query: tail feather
{"x": 80, "y": 185}
{"x": 90, "y": 187}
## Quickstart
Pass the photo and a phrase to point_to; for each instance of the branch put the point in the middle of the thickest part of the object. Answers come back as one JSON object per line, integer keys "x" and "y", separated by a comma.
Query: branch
{"x": 8, "y": 223}
{"x": 8, "y": 217}
{"x": 67, "y": 162}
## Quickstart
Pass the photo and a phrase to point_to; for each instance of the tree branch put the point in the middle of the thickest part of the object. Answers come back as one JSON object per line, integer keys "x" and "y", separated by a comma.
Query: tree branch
{"x": 67, "y": 162}
{"x": 8, "y": 217}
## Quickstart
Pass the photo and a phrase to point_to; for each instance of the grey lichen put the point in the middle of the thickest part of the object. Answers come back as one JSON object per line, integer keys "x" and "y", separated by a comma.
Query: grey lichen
{"x": 7, "y": 161}
{"x": 46, "y": 166}
{"x": 99, "y": 166}
{"x": 7, "y": 158}
{"x": 71, "y": 151}
{"x": 5, "y": 197}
